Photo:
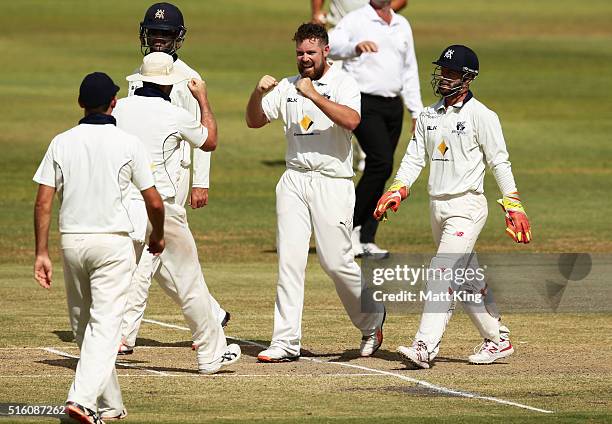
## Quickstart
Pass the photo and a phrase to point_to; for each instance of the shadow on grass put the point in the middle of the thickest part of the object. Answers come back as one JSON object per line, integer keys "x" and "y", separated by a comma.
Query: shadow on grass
{"x": 274, "y": 163}
{"x": 65, "y": 336}
{"x": 312, "y": 250}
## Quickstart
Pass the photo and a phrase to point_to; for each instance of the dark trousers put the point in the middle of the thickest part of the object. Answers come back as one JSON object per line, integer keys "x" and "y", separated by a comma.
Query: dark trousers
{"x": 378, "y": 135}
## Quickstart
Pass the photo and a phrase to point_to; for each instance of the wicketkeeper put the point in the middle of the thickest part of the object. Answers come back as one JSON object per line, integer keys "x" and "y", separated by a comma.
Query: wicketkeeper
{"x": 459, "y": 136}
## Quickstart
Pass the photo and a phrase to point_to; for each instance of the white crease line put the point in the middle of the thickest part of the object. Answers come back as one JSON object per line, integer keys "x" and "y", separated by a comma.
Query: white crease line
{"x": 388, "y": 373}
{"x": 121, "y": 364}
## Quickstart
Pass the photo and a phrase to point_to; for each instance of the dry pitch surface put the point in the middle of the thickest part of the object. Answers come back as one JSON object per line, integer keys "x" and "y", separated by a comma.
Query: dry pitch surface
{"x": 555, "y": 375}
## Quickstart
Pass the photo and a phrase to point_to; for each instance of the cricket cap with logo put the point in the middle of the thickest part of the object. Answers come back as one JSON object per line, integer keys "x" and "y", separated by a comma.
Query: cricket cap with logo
{"x": 459, "y": 58}
{"x": 158, "y": 68}
{"x": 97, "y": 89}
{"x": 163, "y": 16}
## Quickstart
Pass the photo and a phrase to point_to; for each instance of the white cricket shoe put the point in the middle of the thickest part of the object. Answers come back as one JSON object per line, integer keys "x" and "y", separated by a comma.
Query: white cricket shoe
{"x": 488, "y": 351}
{"x": 371, "y": 343}
{"x": 356, "y": 242}
{"x": 372, "y": 250}
{"x": 276, "y": 354}
{"x": 231, "y": 355}
{"x": 121, "y": 416}
{"x": 416, "y": 354}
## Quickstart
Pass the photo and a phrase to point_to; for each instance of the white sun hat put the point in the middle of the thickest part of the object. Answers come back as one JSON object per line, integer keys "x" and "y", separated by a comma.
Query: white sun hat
{"x": 158, "y": 68}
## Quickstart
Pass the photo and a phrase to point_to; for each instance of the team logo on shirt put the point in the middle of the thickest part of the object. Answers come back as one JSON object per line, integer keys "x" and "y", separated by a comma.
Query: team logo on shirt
{"x": 306, "y": 123}
{"x": 460, "y": 128}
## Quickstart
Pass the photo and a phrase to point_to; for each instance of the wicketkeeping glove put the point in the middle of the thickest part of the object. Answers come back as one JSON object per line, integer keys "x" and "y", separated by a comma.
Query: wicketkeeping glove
{"x": 391, "y": 199}
{"x": 517, "y": 223}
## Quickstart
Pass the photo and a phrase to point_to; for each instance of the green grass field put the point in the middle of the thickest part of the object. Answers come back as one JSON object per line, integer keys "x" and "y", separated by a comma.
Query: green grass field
{"x": 546, "y": 68}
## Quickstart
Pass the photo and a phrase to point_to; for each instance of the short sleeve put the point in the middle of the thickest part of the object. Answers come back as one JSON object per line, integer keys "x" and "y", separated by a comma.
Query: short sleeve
{"x": 142, "y": 176}
{"x": 46, "y": 170}
{"x": 190, "y": 129}
{"x": 348, "y": 94}
{"x": 271, "y": 103}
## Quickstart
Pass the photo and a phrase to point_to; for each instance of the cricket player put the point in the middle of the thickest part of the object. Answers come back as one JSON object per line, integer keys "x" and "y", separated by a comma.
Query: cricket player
{"x": 90, "y": 167}
{"x": 163, "y": 30}
{"x": 163, "y": 127}
{"x": 319, "y": 108}
{"x": 459, "y": 136}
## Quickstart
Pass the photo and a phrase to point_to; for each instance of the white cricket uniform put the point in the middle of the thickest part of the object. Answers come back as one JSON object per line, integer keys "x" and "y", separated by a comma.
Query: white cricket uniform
{"x": 459, "y": 141}
{"x": 147, "y": 265}
{"x": 315, "y": 193}
{"x": 91, "y": 167}
{"x": 162, "y": 127}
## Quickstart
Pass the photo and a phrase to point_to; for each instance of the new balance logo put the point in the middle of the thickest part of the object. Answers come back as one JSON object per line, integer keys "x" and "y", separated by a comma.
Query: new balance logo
{"x": 431, "y": 127}
{"x": 292, "y": 99}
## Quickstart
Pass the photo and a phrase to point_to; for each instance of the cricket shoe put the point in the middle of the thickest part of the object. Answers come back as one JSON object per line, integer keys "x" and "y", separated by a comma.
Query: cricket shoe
{"x": 371, "y": 250}
{"x": 276, "y": 354}
{"x": 371, "y": 343}
{"x": 81, "y": 414}
{"x": 231, "y": 356}
{"x": 125, "y": 349}
{"x": 488, "y": 352}
{"x": 121, "y": 416}
{"x": 416, "y": 354}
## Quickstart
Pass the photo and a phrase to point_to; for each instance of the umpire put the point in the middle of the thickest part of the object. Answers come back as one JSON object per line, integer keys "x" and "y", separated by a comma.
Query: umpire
{"x": 377, "y": 50}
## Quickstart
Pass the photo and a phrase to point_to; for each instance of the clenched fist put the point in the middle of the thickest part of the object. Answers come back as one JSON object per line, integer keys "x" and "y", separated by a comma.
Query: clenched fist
{"x": 197, "y": 87}
{"x": 305, "y": 87}
{"x": 266, "y": 83}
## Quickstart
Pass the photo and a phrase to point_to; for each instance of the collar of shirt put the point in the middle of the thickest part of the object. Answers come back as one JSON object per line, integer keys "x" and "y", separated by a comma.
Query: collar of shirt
{"x": 327, "y": 76}
{"x": 146, "y": 91}
{"x": 98, "y": 119}
{"x": 440, "y": 104}
{"x": 371, "y": 13}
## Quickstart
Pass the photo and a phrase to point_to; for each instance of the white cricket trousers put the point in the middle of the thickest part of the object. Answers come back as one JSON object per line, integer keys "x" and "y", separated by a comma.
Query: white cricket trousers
{"x": 180, "y": 276}
{"x": 147, "y": 267}
{"x": 456, "y": 222}
{"x": 97, "y": 272}
{"x": 307, "y": 201}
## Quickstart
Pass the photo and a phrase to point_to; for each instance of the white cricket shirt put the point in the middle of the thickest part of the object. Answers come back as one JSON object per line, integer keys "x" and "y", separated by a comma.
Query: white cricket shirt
{"x": 315, "y": 142}
{"x": 91, "y": 167}
{"x": 458, "y": 141}
{"x": 161, "y": 127}
{"x": 181, "y": 96}
{"x": 390, "y": 72}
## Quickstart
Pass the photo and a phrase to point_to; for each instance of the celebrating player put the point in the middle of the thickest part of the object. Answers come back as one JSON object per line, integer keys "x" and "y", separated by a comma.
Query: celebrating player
{"x": 163, "y": 127}
{"x": 319, "y": 107}
{"x": 163, "y": 30}
{"x": 458, "y": 135}
{"x": 93, "y": 164}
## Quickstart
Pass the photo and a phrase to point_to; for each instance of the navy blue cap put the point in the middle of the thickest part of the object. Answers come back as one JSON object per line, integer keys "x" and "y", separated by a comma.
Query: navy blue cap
{"x": 163, "y": 16}
{"x": 459, "y": 58}
{"x": 97, "y": 89}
